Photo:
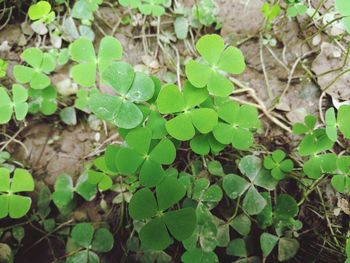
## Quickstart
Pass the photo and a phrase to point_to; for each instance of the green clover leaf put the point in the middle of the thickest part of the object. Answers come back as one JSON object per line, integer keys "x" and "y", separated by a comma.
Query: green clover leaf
{"x": 179, "y": 223}
{"x": 141, "y": 152}
{"x": 101, "y": 177}
{"x": 12, "y": 204}
{"x": 82, "y": 51}
{"x": 242, "y": 224}
{"x": 343, "y": 7}
{"x": 40, "y": 64}
{"x": 41, "y": 11}
{"x": 183, "y": 126}
{"x": 63, "y": 196}
{"x": 204, "y": 143}
{"x": 217, "y": 59}
{"x": 235, "y": 185}
{"x": 198, "y": 255}
{"x": 43, "y": 101}
{"x": 131, "y": 88}
{"x": 152, "y": 7}
{"x": 278, "y": 165}
{"x": 131, "y": 3}
{"x": 331, "y": 124}
{"x": 343, "y": 120}
{"x": 84, "y": 9}
{"x": 82, "y": 100}
{"x": 19, "y": 104}
{"x": 237, "y": 123}
{"x": 3, "y": 68}
{"x": 287, "y": 247}
{"x": 320, "y": 164}
{"x": 341, "y": 180}
{"x": 90, "y": 242}
{"x": 205, "y": 193}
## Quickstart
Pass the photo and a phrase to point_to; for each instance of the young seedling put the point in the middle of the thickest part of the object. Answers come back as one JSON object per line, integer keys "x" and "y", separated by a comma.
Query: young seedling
{"x": 132, "y": 88}
{"x": 43, "y": 101}
{"x": 296, "y": 7}
{"x": 236, "y": 186}
{"x": 189, "y": 118}
{"x": 101, "y": 177}
{"x": 12, "y": 204}
{"x": 40, "y": 64}
{"x": 237, "y": 123}
{"x": 82, "y": 51}
{"x": 63, "y": 196}
{"x": 85, "y": 243}
{"x": 155, "y": 233}
{"x": 19, "y": 104}
{"x": 270, "y": 12}
{"x": 216, "y": 59}
{"x": 41, "y": 12}
{"x": 144, "y": 154}
{"x": 146, "y": 7}
{"x": 278, "y": 165}
{"x": 84, "y": 9}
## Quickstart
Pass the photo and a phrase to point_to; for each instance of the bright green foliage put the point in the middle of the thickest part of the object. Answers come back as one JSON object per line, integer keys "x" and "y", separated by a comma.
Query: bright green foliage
{"x": 331, "y": 124}
{"x": 237, "y": 123}
{"x": 179, "y": 223}
{"x": 320, "y": 164}
{"x": 18, "y": 105}
{"x": 83, "y": 98}
{"x": 3, "y": 68}
{"x": 88, "y": 242}
{"x": 203, "y": 192}
{"x": 341, "y": 180}
{"x": 315, "y": 140}
{"x": 343, "y": 7}
{"x": 43, "y": 101}
{"x": 40, "y": 64}
{"x": 287, "y": 247}
{"x": 12, "y": 204}
{"x": 204, "y": 143}
{"x": 101, "y": 177}
{"x": 84, "y": 9}
{"x": 216, "y": 59}
{"x": 206, "y": 13}
{"x": 199, "y": 256}
{"x": 278, "y": 165}
{"x": 41, "y": 11}
{"x": 296, "y": 8}
{"x": 131, "y": 87}
{"x": 189, "y": 119}
{"x": 82, "y": 51}
{"x": 270, "y": 13}
{"x": 145, "y": 155}
{"x": 63, "y": 195}
{"x": 146, "y": 7}
{"x": 343, "y": 120}
{"x": 236, "y": 186}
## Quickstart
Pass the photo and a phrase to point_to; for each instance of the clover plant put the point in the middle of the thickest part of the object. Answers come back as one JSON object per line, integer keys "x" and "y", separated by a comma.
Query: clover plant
{"x": 146, "y": 7}
{"x": 270, "y": 13}
{"x": 11, "y": 203}
{"x": 3, "y": 68}
{"x": 179, "y": 223}
{"x": 216, "y": 60}
{"x": 278, "y": 165}
{"x": 85, "y": 243}
{"x": 63, "y": 196}
{"x": 82, "y": 51}
{"x": 204, "y": 143}
{"x": 101, "y": 175}
{"x": 189, "y": 118}
{"x": 295, "y": 7}
{"x": 236, "y": 186}
{"x": 44, "y": 101}
{"x": 18, "y": 105}
{"x": 39, "y": 64}
{"x": 41, "y": 11}
{"x": 236, "y": 125}
{"x": 132, "y": 88}
{"x": 84, "y": 9}
{"x": 83, "y": 98}
{"x": 146, "y": 155}
{"x": 343, "y": 7}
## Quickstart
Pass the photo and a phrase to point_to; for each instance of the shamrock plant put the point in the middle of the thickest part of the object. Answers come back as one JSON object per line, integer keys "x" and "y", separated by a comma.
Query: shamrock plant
{"x": 146, "y": 7}
{"x": 236, "y": 186}
{"x": 63, "y": 196}
{"x": 82, "y": 51}
{"x": 39, "y": 64}
{"x": 85, "y": 242}
{"x": 155, "y": 233}
{"x": 296, "y": 7}
{"x": 236, "y": 125}
{"x": 44, "y": 100}
{"x": 189, "y": 118}
{"x": 84, "y": 9}
{"x": 131, "y": 88}
{"x": 270, "y": 13}
{"x": 11, "y": 203}
{"x": 278, "y": 165}
{"x": 101, "y": 175}
{"x": 3, "y": 68}
{"x": 18, "y": 105}
{"x": 146, "y": 155}
{"x": 41, "y": 12}
{"x": 343, "y": 7}
{"x": 217, "y": 61}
